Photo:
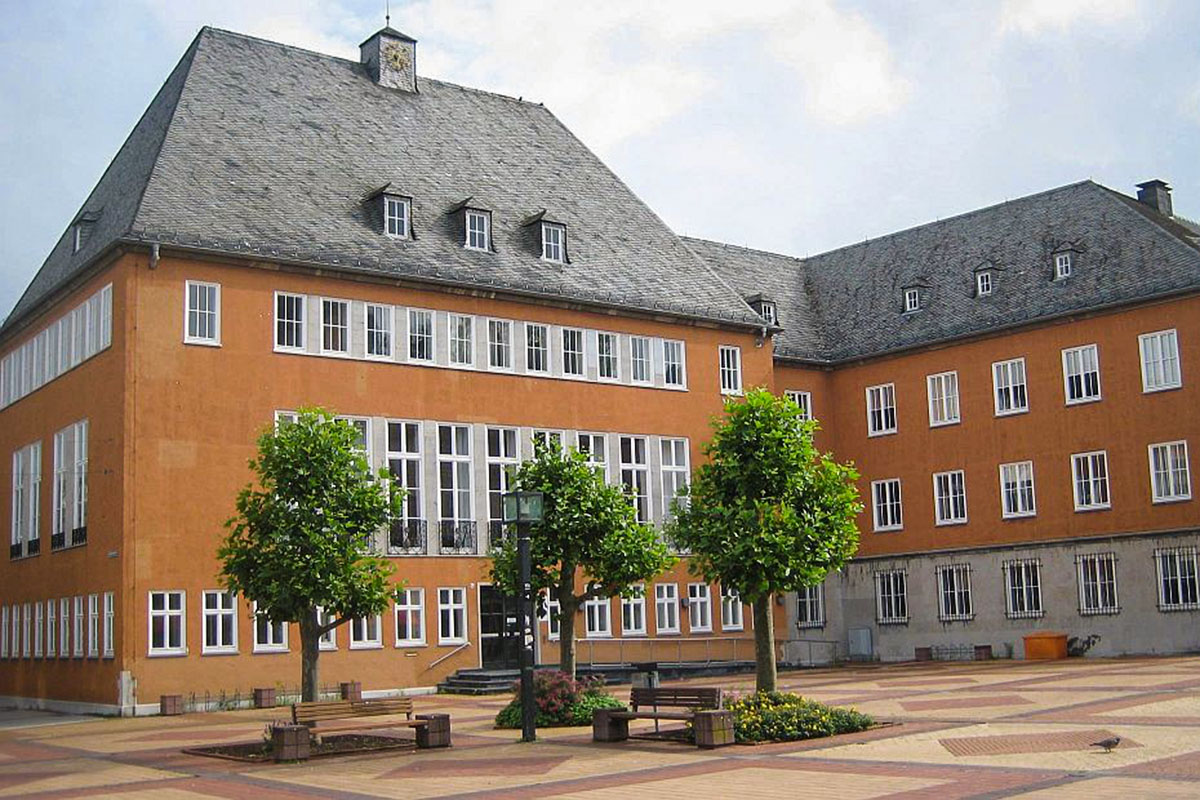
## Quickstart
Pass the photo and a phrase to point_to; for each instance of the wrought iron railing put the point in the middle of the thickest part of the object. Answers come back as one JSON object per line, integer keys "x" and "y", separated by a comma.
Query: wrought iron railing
{"x": 58, "y": 540}
{"x": 407, "y": 537}
{"x": 79, "y": 536}
{"x": 33, "y": 547}
{"x": 457, "y": 537}
{"x": 14, "y": 550}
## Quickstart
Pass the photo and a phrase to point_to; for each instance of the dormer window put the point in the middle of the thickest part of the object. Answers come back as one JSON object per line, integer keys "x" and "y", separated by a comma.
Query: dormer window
{"x": 479, "y": 230}
{"x": 554, "y": 242}
{"x": 1062, "y": 266}
{"x": 764, "y": 308}
{"x": 76, "y": 237}
{"x": 983, "y": 284}
{"x": 396, "y": 215}
{"x": 912, "y": 300}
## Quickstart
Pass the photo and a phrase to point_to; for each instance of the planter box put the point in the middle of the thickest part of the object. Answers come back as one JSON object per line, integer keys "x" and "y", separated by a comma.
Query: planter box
{"x": 264, "y": 698}
{"x": 352, "y": 691}
{"x": 290, "y": 742}
{"x": 607, "y": 729}
{"x": 713, "y": 729}
{"x": 923, "y": 653}
{"x": 983, "y": 652}
{"x": 436, "y": 733}
{"x": 1045, "y": 645}
{"x": 170, "y": 705}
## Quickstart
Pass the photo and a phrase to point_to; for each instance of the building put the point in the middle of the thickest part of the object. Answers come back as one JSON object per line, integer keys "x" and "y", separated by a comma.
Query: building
{"x": 456, "y": 273}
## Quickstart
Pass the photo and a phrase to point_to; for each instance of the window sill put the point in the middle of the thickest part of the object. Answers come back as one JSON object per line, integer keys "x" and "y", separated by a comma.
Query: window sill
{"x": 1157, "y": 389}
{"x": 699, "y": 630}
{"x": 668, "y": 633}
{"x": 889, "y": 529}
{"x": 1013, "y": 413}
{"x": 1083, "y": 401}
{"x": 451, "y": 642}
{"x": 202, "y": 342}
{"x": 1180, "y": 607}
{"x": 368, "y": 646}
{"x": 731, "y": 629}
{"x": 1099, "y": 612}
{"x": 947, "y": 424}
{"x": 152, "y": 654}
{"x": 269, "y": 651}
{"x": 876, "y": 434}
{"x": 218, "y": 652}
{"x": 1086, "y": 509}
{"x": 950, "y": 523}
{"x": 1029, "y": 515}
{"x": 903, "y": 621}
{"x": 1166, "y": 501}
{"x": 409, "y": 645}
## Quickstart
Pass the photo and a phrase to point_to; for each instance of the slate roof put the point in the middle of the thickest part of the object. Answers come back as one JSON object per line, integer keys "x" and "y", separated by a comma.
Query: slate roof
{"x": 848, "y": 303}
{"x": 256, "y": 148}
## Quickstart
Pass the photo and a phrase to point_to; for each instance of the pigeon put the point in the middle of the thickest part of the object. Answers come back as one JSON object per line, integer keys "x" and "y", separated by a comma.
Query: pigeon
{"x": 1107, "y": 744}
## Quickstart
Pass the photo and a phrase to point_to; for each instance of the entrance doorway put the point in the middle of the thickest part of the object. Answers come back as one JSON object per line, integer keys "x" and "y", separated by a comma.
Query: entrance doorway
{"x": 499, "y": 629}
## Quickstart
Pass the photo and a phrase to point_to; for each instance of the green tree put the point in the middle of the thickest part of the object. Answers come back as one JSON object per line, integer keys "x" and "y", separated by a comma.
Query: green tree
{"x": 300, "y": 540}
{"x": 589, "y": 531}
{"x": 767, "y": 513}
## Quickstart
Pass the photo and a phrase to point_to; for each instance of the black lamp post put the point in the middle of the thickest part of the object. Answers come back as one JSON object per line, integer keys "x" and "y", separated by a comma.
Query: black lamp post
{"x": 525, "y": 509}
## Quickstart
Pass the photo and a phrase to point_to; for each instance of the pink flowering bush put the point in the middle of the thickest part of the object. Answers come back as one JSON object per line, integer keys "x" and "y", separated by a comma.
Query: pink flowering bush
{"x": 561, "y": 700}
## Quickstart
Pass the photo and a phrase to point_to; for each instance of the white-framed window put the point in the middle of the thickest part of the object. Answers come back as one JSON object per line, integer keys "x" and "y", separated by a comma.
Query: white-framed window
{"x": 537, "y": 347}
{"x": 881, "y": 409}
{"x": 379, "y": 330}
{"x": 950, "y": 497}
{"x": 1062, "y": 266}
{"x": 912, "y": 300}
{"x": 289, "y": 321}
{"x": 674, "y": 367}
{"x": 109, "y": 622}
{"x": 366, "y": 633}
{"x": 554, "y": 242}
{"x": 1016, "y": 490}
{"x": 77, "y": 623}
{"x": 1023, "y": 588}
{"x": 51, "y": 629}
{"x": 639, "y": 359}
{"x": 396, "y": 213}
{"x": 80, "y": 436}
{"x": 335, "y": 326}
{"x": 674, "y": 460}
{"x": 572, "y": 339}
{"x": 1089, "y": 472}
{"x": 420, "y": 335}
{"x": 731, "y": 610}
{"x": 26, "y": 639}
{"x": 503, "y": 456}
{"x": 983, "y": 284}
{"x": 943, "y": 399}
{"x": 633, "y": 612}
{"x": 891, "y": 597}
{"x": 887, "y": 505}
{"x": 1170, "y": 477}
{"x": 37, "y": 630}
{"x": 699, "y": 608}
{"x": 167, "y": 624}
{"x": 597, "y": 615}
{"x": 1097, "y": 575}
{"x": 452, "y": 615}
{"x": 552, "y": 439}
{"x": 1160, "y": 361}
{"x": 954, "y": 592}
{"x": 635, "y": 474}
{"x": 1008, "y": 381}
{"x": 454, "y": 473}
{"x": 16, "y": 632}
{"x": 608, "y": 362}
{"x": 60, "y": 489}
{"x": 462, "y": 339}
{"x": 810, "y": 606}
{"x": 93, "y": 625}
{"x": 4, "y": 632}
{"x": 803, "y": 400}
{"x": 1177, "y": 580}
{"x": 220, "y": 622}
{"x": 500, "y": 341}
{"x": 479, "y": 230}
{"x": 269, "y": 636}
{"x": 64, "y": 627}
{"x": 731, "y": 369}
{"x": 551, "y": 615}
{"x": 594, "y": 447}
{"x": 202, "y": 313}
{"x": 26, "y": 497}
{"x": 1081, "y": 374}
{"x": 666, "y": 608}
{"x": 410, "y": 618}
{"x": 328, "y": 639}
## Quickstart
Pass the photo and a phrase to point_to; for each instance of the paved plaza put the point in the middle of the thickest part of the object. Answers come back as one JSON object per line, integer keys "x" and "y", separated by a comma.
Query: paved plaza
{"x": 994, "y": 729}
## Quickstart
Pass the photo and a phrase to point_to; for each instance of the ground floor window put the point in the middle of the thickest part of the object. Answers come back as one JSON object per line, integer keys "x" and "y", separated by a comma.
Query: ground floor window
{"x": 366, "y": 633}
{"x": 1098, "y": 583}
{"x": 731, "y": 610}
{"x": 596, "y": 612}
{"x": 269, "y": 636}
{"x": 699, "y": 608}
{"x": 633, "y": 613}
{"x": 891, "y": 597}
{"x": 452, "y": 615}
{"x": 954, "y": 592}
{"x": 810, "y": 607}
{"x": 220, "y": 622}
{"x": 410, "y": 618}
{"x": 166, "y": 623}
{"x": 666, "y": 607}
{"x": 1177, "y": 582}
{"x": 1023, "y": 588}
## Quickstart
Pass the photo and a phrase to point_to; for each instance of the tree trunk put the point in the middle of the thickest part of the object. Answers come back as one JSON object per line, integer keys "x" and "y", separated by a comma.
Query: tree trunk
{"x": 764, "y": 645}
{"x": 310, "y": 650}
{"x": 567, "y": 605}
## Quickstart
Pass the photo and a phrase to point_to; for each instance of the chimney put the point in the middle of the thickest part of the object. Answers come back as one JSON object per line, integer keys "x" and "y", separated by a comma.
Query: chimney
{"x": 391, "y": 59}
{"x": 1157, "y": 195}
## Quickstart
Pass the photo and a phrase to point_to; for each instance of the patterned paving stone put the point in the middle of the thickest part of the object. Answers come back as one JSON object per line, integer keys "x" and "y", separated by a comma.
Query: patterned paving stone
{"x": 1119, "y": 789}
{"x": 1185, "y": 767}
{"x": 761, "y": 783}
{"x": 1012, "y": 744}
{"x": 1006, "y": 700}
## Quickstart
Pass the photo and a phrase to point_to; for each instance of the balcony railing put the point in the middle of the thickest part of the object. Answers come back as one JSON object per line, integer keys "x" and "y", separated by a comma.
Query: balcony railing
{"x": 58, "y": 540}
{"x": 407, "y": 537}
{"x": 79, "y": 536}
{"x": 33, "y": 547}
{"x": 457, "y": 537}
{"x": 14, "y": 550}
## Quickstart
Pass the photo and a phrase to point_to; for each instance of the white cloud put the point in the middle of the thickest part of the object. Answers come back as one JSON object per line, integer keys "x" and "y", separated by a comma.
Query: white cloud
{"x": 1034, "y": 17}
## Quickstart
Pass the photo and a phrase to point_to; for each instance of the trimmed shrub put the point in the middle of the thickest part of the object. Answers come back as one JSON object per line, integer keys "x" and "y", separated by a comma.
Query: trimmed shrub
{"x": 562, "y": 701}
{"x": 786, "y": 717}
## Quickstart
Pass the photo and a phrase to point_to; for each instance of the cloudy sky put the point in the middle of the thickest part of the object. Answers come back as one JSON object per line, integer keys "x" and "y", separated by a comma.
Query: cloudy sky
{"x": 794, "y": 126}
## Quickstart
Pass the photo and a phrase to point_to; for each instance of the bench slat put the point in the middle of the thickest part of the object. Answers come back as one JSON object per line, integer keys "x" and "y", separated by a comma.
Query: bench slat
{"x": 346, "y": 709}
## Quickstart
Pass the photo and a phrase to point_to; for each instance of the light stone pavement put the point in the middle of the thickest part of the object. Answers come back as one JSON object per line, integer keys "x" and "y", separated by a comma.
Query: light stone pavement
{"x": 952, "y": 730}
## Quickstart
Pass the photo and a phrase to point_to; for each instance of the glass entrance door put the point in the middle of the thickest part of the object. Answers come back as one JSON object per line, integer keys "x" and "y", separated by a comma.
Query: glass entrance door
{"x": 499, "y": 629}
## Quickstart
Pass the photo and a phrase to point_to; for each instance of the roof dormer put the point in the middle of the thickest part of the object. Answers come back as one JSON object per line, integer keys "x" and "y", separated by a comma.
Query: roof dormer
{"x": 765, "y": 307}
{"x": 1065, "y": 260}
{"x": 474, "y": 223}
{"x": 551, "y": 238}
{"x": 391, "y": 59}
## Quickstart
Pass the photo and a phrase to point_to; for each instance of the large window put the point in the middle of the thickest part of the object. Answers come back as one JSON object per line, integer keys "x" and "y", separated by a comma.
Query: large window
{"x": 1090, "y": 474}
{"x": 891, "y": 597}
{"x": 335, "y": 326}
{"x": 270, "y": 636}
{"x": 327, "y": 640}
{"x": 943, "y": 398}
{"x": 1097, "y": 574}
{"x": 289, "y": 321}
{"x": 454, "y": 488}
{"x": 881, "y": 409}
{"x": 500, "y": 344}
{"x": 954, "y": 592}
{"x": 26, "y": 500}
{"x": 51, "y": 629}
{"x": 366, "y": 633}
{"x": 639, "y": 359}
{"x": 1177, "y": 581}
{"x": 1016, "y": 490}
{"x": 420, "y": 335}
{"x": 731, "y": 369}
{"x": 4, "y": 632}
{"x": 633, "y": 613}
{"x": 803, "y": 400}
{"x": 950, "y": 497}
{"x": 1081, "y": 374}
{"x": 452, "y": 615}
{"x": 674, "y": 454}
{"x": 1170, "y": 479}
{"x": 594, "y": 448}
{"x": 109, "y": 622}
{"x": 1008, "y": 381}
{"x": 379, "y": 331}
{"x": 220, "y": 622}
{"x": 1160, "y": 361}
{"x": 810, "y": 607}
{"x": 886, "y": 504}
{"x": 699, "y": 608}
{"x": 731, "y": 610}
{"x": 666, "y": 608}
{"x": 77, "y": 626}
{"x": 608, "y": 363}
{"x": 572, "y": 363}
{"x": 37, "y": 632}
{"x": 64, "y": 627}
{"x": 479, "y": 230}
{"x": 551, "y": 614}
{"x": 405, "y": 467}
{"x": 69, "y": 490}
{"x": 202, "y": 314}
{"x": 410, "y": 618}
{"x": 635, "y": 474}
{"x": 537, "y": 347}
{"x": 462, "y": 332}
{"x": 502, "y": 461}
{"x": 597, "y": 616}
{"x": 1023, "y": 588}
{"x": 674, "y": 369}
{"x": 166, "y": 625}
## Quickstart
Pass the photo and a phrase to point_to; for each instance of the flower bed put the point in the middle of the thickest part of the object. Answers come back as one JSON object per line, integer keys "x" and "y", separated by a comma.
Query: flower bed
{"x": 562, "y": 701}
{"x": 787, "y": 717}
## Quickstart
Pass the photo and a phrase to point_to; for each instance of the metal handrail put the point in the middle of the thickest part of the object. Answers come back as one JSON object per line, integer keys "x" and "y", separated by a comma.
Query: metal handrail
{"x": 453, "y": 652}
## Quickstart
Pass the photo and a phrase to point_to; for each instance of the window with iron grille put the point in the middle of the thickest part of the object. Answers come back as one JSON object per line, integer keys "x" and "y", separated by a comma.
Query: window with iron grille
{"x": 1170, "y": 479}
{"x": 954, "y": 593}
{"x": 1023, "y": 588}
{"x": 1016, "y": 490}
{"x": 891, "y": 597}
{"x": 1097, "y": 578}
{"x": 1177, "y": 581}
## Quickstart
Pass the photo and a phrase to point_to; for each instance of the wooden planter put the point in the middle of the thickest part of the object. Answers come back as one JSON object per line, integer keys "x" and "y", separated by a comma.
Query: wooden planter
{"x": 436, "y": 733}
{"x": 983, "y": 652}
{"x": 352, "y": 691}
{"x": 1045, "y": 645}
{"x": 290, "y": 742}
{"x": 264, "y": 698}
{"x": 713, "y": 728}
{"x": 170, "y": 705}
{"x": 607, "y": 729}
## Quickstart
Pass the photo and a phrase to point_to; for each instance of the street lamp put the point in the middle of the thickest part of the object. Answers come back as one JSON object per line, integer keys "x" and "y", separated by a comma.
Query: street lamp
{"x": 524, "y": 509}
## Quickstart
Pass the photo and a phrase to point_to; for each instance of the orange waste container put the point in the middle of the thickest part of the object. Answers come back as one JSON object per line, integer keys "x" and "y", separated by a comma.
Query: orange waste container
{"x": 1045, "y": 645}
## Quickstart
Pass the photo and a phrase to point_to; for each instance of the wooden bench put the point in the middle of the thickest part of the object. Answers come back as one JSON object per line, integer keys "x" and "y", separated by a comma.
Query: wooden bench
{"x": 700, "y": 706}
{"x": 433, "y": 730}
